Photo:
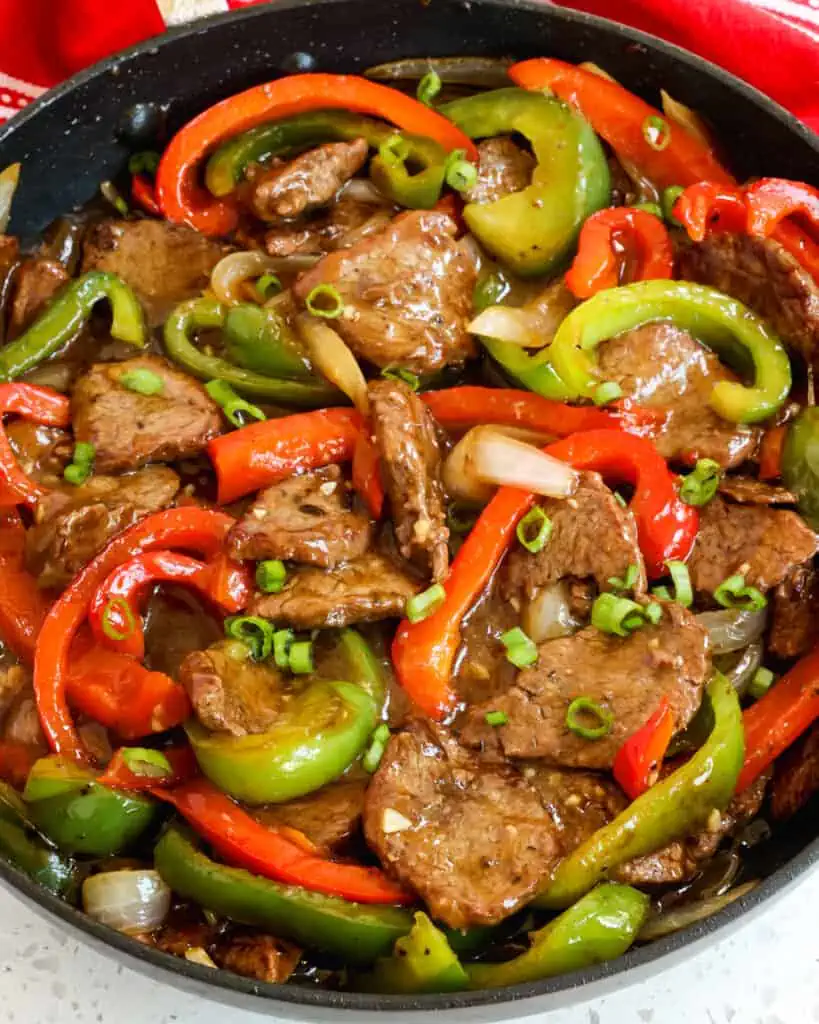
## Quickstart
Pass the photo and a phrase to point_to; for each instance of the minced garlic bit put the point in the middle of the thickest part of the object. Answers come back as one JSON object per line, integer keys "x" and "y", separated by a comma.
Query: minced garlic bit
{"x": 714, "y": 820}
{"x": 394, "y": 822}
{"x": 200, "y": 956}
{"x": 328, "y": 487}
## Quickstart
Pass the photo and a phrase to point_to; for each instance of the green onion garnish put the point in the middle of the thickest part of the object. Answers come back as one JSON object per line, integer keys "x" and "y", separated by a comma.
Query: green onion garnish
{"x": 627, "y": 582}
{"x": 653, "y": 612}
{"x": 733, "y": 593}
{"x": 700, "y": 486}
{"x": 670, "y": 197}
{"x": 267, "y": 286}
{"x": 148, "y": 762}
{"x": 256, "y": 633}
{"x": 460, "y": 174}
{"x": 652, "y": 208}
{"x": 117, "y": 608}
{"x": 534, "y": 530}
{"x": 145, "y": 162}
{"x": 412, "y": 380}
{"x": 270, "y": 576}
{"x": 662, "y": 593}
{"x": 490, "y": 291}
{"x": 657, "y": 132}
{"x": 683, "y": 592}
{"x": 110, "y": 193}
{"x": 608, "y": 391}
{"x": 761, "y": 683}
{"x": 300, "y": 657}
{"x": 394, "y": 150}
{"x": 82, "y": 463}
{"x": 424, "y": 604}
{"x": 144, "y": 382}
{"x": 325, "y": 300}
{"x": 496, "y": 718}
{"x": 617, "y": 615}
{"x": 282, "y": 639}
{"x": 378, "y": 744}
{"x": 578, "y": 713}
{"x": 521, "y": 650}
{"x": 237, "y": 411}
{"x": 621, "y": 501}
{"x": 428, "y": 88}
{"x": 460, "y": 518}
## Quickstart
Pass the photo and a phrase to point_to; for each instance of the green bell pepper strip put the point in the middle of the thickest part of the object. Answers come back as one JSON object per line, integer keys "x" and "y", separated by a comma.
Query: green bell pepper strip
{"x": 67, "y": 314}
{"x": 363, "y": 666}
{"x": 533, "y": 372}
{"x": 422, "y": 961}
{"x": 800, "y": 464}
{"x": 257, "y": 339}
{"x": 421, "y": 190}
{"x": 718, "y": 321}
{"x": 320, "y": 731}
{"x": 534, "y": 231}
{"x": 80, "y": 816}
{"x": 22, "y": 846}
{"x": 357, "y": 932}
{"x": 677, "y": 806}
{"x": 600, "y": 926}
{"x": 203, "y": 314}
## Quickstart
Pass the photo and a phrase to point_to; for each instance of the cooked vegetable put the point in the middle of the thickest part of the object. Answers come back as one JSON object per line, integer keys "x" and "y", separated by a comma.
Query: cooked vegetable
{"x": 637, "y": 765}
{"x": 135, "y": 902}
{"x": 9, "y": 179}
{"x": 422, "y": 961}
{"x": 733, "y": 629}
{"x": 800, "y": 463}
{"x": 23, "y": 847}
{"x": 37, "y": 405}
{"x": 331, "y": 356}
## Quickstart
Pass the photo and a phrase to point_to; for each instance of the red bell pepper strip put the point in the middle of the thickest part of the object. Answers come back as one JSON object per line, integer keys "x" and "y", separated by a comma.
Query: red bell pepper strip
{"x": 183, "y": 200}
{"x": 16, "y": 761}
{"x": 246, "y": 843}
{"x": 647, "y": 256}
{"x": 638, "y": 761}
{"x": 780, "y": 717}
{"x": 23, "y": 606}
{"x": 197, "y": 529}
{"x": 114, "y": 614}
{"x": 263, "y": 453}
{"x": 471, "y": 406}
{"x": 367, "y": 474}
{"x": 624, "y": 121}
{"x": 118, "y": 775}
{"x": 230, "y": 584}
{"x": 770, "y": 453}
{"x": 142, "y": 193}
{"x": 803, "y": 249}
{"x": 706, "y": 208}
{"x": 39, "y": 405}
{"x": 772, "y": 202}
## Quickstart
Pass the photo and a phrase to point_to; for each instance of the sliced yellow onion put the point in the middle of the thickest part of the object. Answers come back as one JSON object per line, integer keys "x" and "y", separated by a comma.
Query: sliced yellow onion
{"x": 458, "y": 474}
{"x": 330, "y": 355}
{"x": 684, "y": 916}
{"x": 510, "y": 324}
{"x": 686, "y": 118}
{"x": 9, "y": 179}
{"x": 548, "y": 615}
{"x": 131, "y": 901}
{"x": 362, "y": 190}
{"x": 595, "y": 69}
{"x": 732, "y": 629}
{"x": 473, "y": 252}
{"x": 231, "y": 272}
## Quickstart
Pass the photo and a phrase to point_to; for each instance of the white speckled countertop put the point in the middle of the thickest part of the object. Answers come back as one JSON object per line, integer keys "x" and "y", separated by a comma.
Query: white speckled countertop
{"x": 765, "y": 973}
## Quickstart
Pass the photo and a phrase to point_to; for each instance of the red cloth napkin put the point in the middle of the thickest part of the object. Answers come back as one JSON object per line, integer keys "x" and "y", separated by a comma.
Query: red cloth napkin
{"x": 774, "y": 44}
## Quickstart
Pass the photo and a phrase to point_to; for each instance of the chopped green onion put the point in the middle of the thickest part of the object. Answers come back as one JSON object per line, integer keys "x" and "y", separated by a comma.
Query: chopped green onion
{"x": 683, "y": 592}
{"x": 148, "y": 762}
{"x": 733, "y": 593}
{"x": 460, "y": 174}
{"x": 617, "y": 615}
{"x": 282, "y": 639}
{"x": 583, "y": 708}
{"x": 654, "y": 613}
{"x": 460, "y": 519}
{"x": 378, "y": 744}
{"x": 424, "y": 604}
{"x": 325, "y": 300}
{"x": 394, "y": 150}
{"x": 236, "y": 409}
{"x": 653, "y": 208}
{"x": 700, "y": 486}
{"x": 490, "y": 291}
{"x": 300, "y": 657}
{"x": 144, "y": 382}
{"x": 496, "y": 718}
{"x": 109, "y": 627}
{"x": 657, "y": 132}
{"x": 628, "y": 581}
{"x": 621, "y": 501}
{"x": 662, "y": 593}
{"x": 110, "y": 193}
{"x": 256, "y": 633}
{"x": 145, "y": 162}
{"x": 608, "y": 391}
{"x": 428, "y": 88}
{"x": 761, "y": 683}
{"x": 670, "y": 197}
{"x": 82, "y": 463}
{"x": 411, "y": 379}
{"x": 270, "y": 576}
{"x": 534, "y": 530}
{"x": 521, "y": 650}
{"x": 267, "y": 286}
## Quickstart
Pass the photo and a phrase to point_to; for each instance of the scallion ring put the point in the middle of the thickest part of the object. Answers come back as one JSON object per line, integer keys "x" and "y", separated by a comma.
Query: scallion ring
{"x": 760, "y": 683}
{"x": 428, "y": 88}
{"x": 653, "y": 208}
{"x": 617, "y": 615}
{"x": 670, "y": 197}
{"x": 412, "y": 380}
{"x": 521, "y": 649}
{"x": 325, "y": 300}
{"x": 496, "y": 718}
{"x": 271, "y": 575}
{"x": 654, "y": 613}
{"x": 627, "y": 582}
{"x": 255, "y": 632}
{"x": 534, "y": 530}
{"x": 657, "y": 132}
{"x": 81, "y": 466}
{"x": 460, "y": 174}
{"x": 683, "y": 591}
{"x": 147, "y": 762}
{"x": 267, "y": 286}
{"x": 282, "y": 640}
{"x": 422, "y": 605}
{"x": 118, "y": 608}
{"x": 700, "y": 486}
{"x": 378, "y": 744}
{"x": 237, "y": 410}
{"x": 583, "y": 708}
{"x": 662, "y": 593}
{"x": 394, "y": 150}
{"x": 608, "y": 391}
{"x": 300, "y": 657}
{"x": 735, "y": 593}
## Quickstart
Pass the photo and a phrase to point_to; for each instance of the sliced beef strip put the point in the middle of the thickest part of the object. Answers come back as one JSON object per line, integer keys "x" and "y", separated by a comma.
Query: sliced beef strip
{"x": 762, "y": 544}
{"x": 592, "y": 536}
{"x": 763, "y": 275}
{"x": 626, "y": 676}
{"x": 303, "y": 519}
{"x": 470, "y": 836}
{"x": 372, "y": 587}
{"x": 328, "y": 817}
{"x": 503, "y": 168}
{"x": 747, "y": 490}
{"x": 311, "y": 179}
{"x": 795, "y": 614}
{"x": 407, "y": 293}
{"x": 338, "y": 226}
{"x": 411, "y": 465}
{"x": 129, "y": 429}
{"x": 72, "y": 525}
{"x": 164, "y": 263}
{"x": 796, "y": 776}
{"x": 661, "y": 366}
{"x": 36, "y": 282}
{"x": 256, "y": 955}
{"x": 18, "y": 710}
{"x": 230, "y": 692}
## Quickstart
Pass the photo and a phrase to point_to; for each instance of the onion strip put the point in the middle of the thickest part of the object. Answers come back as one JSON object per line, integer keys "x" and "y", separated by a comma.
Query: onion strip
{"x": 9, "y": 179}
{"x": 512, "y": 325}
{"x": 674, "y": 920}
{"x": 331, "y": 356}
{"x": 130, "y": 901}
{"x": 731, "y": 629}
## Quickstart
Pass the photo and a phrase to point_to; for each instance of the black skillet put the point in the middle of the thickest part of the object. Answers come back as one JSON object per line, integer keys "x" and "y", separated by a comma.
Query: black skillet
{"x": 80, "y": 134}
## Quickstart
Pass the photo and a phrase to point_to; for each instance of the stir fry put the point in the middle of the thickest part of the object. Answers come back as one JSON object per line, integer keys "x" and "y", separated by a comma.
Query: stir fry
{"x": 407, "y": 530}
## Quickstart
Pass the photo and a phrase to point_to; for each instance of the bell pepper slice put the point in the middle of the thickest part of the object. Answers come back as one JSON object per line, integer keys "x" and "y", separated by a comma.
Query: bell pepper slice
{"x": 771, "y": 200}
{"x": 22, "y": 846}
{"x": 637, "y": 763}
{"x": 646, "y": 246}
{"x": 114, "y": 612}
{"x": 676, "y": 806}
{"x": 533, "y": 231}
{"x": 720, "y": 322}
{"x": 422, "y": 961}
{"x": 181, "y": 198}
{"x": 79, "y": 816}
{"x": 23, "y": 606}
{"x": 227, "y": 166}
{"x": 776, "y": 720}
{"x": 244, "y": 842}
{"x": 318, "y": 734}
{"x": 191, "y": 528}
{"x": 203, "y": 314}
{"x": 38, "y": 405}
{"x": 119, "y": 773}
{"x": 143, "y": 195}
{"x": 706, "y": 208}
{"x": 67, "y": 313}
{"x": 261, "y": 454}
{"x": 366, "y": 473}
{"x": 770, "y": 452}
{"x": 256, "y": 338}
{"x": 624, "y": 121}
{"x": 800, "y": 468}
{"x": 363, "y": 667}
